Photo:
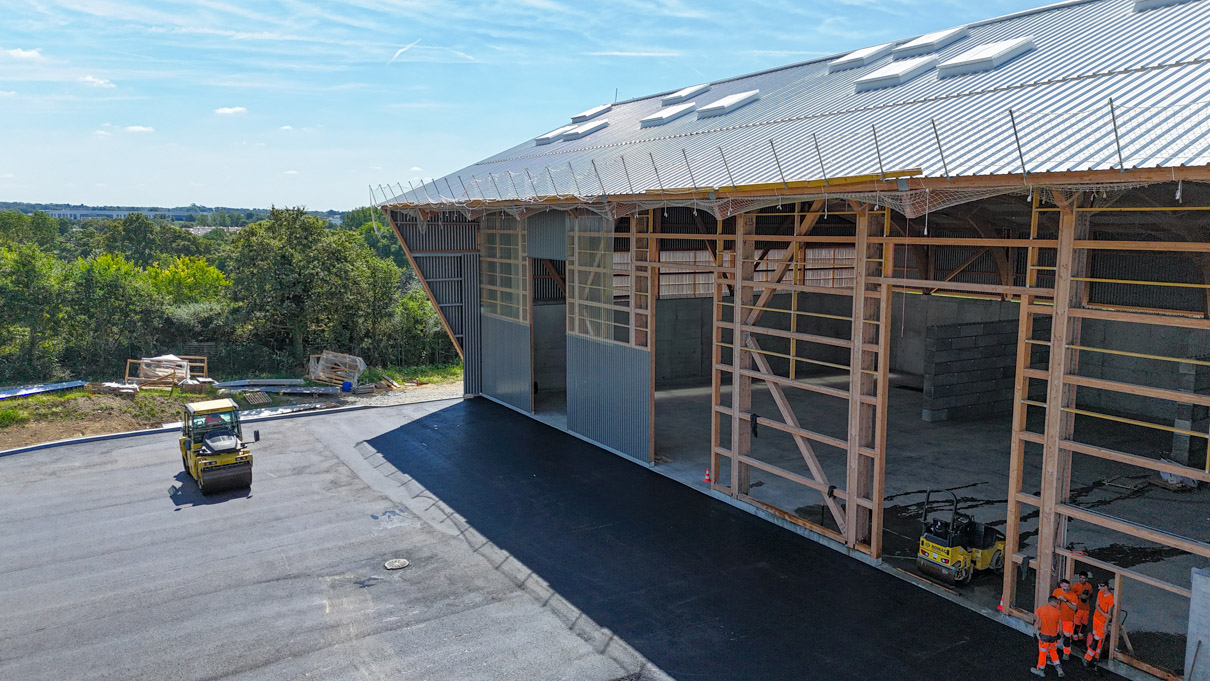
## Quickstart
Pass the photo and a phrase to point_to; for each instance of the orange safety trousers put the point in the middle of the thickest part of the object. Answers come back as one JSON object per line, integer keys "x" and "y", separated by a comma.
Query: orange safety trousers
{"x": 1098, "y": 639}
{"x": 1069, "y": 630}
{"x": 1047, "y": 648}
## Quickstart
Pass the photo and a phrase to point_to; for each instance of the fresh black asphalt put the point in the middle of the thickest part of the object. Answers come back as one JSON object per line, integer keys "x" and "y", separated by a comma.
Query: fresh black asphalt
{"x": 702, "y": 589}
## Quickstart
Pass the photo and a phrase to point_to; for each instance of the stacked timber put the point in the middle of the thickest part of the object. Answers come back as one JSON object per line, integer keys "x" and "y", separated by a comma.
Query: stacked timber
{"x": 334, "y": 368}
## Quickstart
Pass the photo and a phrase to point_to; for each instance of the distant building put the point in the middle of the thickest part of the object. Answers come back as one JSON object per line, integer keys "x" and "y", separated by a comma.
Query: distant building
{"x": 83, "y": 213}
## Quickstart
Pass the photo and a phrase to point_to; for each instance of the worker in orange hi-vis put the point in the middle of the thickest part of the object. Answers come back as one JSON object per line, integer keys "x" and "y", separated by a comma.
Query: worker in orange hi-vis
{"x": 1083, "y": 589}
{"x": 1101, "y": 617}
{"x": 1046, "y": 630}
{"x": 1068, "y": 602}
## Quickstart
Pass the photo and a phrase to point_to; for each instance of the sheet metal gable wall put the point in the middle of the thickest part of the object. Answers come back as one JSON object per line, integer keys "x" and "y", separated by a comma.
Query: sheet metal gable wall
{"x": 548, "y": 234}
{"x": 472, "y": 345}
{"x": 608, "y": 393}
{"x": 438, "y": 247}
{"x": 506, "y": 362}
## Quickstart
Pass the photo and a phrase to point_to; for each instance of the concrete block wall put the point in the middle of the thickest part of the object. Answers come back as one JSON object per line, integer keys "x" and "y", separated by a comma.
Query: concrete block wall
{"x": 969, "y": 369}
{"x": 1188, "y": 450}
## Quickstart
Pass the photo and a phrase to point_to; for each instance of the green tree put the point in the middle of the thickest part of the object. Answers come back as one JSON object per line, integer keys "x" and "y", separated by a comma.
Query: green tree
{"x": 14, "y": 227}
{"x": 43, "y": 229}
{"x": 31, "y": 283}
{"x": 187, "y": 279}
{"x": 133, "y": 237}
{"x": 114, "y": 313}
{"x": 274, "y": 273}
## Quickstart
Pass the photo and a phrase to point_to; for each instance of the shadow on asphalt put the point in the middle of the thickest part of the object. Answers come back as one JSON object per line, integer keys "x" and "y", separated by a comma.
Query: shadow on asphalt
{"x": 186, "y": 494}
{"x": 702, "y": 589}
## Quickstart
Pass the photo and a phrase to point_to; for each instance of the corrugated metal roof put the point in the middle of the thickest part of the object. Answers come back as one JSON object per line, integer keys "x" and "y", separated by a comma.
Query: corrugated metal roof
{"x": 1154, "y": 64}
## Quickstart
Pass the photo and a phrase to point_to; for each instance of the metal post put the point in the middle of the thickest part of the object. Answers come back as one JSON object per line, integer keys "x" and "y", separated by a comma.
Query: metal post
{"x": 778, "y": 162}
{"x": 1020, "y": 154}
{"x": 944, "y": 166}
{"x": 727, "y": 166}
{"x": 604, "y": 194}
{"x": 554, "y": 186}
{"x": 453, "y": 196}
{"x": 878, "y": 152}
{"x": 575, "y": 179}
{"x": 818, "y": 154}
{"x": 689, "y": 167}
{"x": 1113, "y": 115}
{"x": 627, "y": 171}
{"x": 464, "y": 189}
{"x": 415, "y": 196}
{"x": 658, "y": 181}
{"x": 514, "y": 183}
{"x": 531, "y": 183}
{"x": 498, "y": 192}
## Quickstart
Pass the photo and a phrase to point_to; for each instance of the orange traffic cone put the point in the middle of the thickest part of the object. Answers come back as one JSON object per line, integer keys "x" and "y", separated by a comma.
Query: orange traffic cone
{"x": 707, "y": 474}
{"x": 1000, "y": 608}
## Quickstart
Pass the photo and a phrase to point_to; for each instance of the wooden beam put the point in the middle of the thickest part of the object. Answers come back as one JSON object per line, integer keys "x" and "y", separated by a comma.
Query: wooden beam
{"x": 554, "y": 274}
{"x": 789, "y": 417}
{"x": 741, "y": 385}
{"x": 804, "y": 228}
{"x": 861, "y": 422}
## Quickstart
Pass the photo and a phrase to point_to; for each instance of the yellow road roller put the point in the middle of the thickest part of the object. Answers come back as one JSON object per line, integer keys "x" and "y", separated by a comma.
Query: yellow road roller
{"x": 953, "y": 549}
{"x": 213, "y": 450}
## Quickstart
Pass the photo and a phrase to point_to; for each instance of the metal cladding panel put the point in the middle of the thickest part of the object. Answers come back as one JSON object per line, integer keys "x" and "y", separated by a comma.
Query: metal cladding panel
{"x": 472, "y": 345}
{"x": 609, "y": 394}
{"x": 548, "y": 234}
{"x": 444, "y": 276}
{"x": 1155, "y": 65}
{"x": 506, "y": 367}
{"x": 442, "y": 233}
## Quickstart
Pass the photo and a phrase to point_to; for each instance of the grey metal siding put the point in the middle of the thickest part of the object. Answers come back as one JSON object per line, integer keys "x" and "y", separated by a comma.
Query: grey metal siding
{"x": 505, "y": 350}
{"x": 548, "y": 234}
{"x": 444, "y": 274}
{"x": 609, "y": 394}
{"x": 472, "y": 346}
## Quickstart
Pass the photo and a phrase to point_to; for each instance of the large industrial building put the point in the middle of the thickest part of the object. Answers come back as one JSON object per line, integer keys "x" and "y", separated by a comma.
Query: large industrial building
{"x": 976, "y": 260}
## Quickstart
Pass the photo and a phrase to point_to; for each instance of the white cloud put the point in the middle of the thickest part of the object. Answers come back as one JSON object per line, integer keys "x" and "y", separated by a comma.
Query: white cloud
{"x": 644, "y": 53}
{"x": 7, "y": 176}
{"x": 7, "y": 93}
{"x": 416, "y": 169}
{"x": 286, "y": 128}
{"x": 139, "y": 128}
{"x": 102, "y": 133}
{"x": 25, "y": 55}
{"x": 230, "y": 110}
{"x": 96, "y": 82}
{"x": 290, "y": 172}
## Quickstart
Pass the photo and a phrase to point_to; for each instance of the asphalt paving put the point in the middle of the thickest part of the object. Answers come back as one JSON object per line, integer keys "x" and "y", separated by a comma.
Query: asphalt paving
{"x": 112, "y": 566}
{"x": 700, "y": 588}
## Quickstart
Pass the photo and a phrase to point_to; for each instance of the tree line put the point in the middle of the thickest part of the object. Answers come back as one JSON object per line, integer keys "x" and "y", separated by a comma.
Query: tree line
{"x": 79, "y": 299}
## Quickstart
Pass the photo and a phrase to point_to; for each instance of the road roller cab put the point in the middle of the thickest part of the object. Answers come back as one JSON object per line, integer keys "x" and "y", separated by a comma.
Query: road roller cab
{"x": 953, "y": 546}
{"x": 213, "y": 450}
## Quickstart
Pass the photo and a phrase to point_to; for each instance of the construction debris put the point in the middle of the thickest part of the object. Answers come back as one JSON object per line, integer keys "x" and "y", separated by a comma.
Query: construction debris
{"x": 257, "y": 397}
{"x": 166, "y": 371}
{"x": 1175, "y": 482}
{"x": 26, "y": 391}
{"x": 129, "y": 389}
{"x": 250, "y": 382}
{"x": 334, "y": 368}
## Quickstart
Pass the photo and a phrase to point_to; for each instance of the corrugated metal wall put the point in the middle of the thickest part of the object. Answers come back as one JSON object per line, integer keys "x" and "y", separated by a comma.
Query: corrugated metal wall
{"x": 548, "y": 234}
{"x": 472, "y": 345}
{"x": 609, "y": 393}
{"x": 506, "y": 369}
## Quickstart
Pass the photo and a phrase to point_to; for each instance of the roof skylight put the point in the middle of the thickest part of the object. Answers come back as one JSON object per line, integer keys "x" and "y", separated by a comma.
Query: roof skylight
{"x": 985, "y": 57}
{"x": 865, "y": 55}
{"x": 591, "y": 113}
{"x": 668, "y": 114}
{"x": 554, "y": 134}
{"x": 685, "y": 94}
{"x": 728, "y": 104}
{"x": 585, "y": 129}
{"x": 930, "y": 42}
{"x": 896, "y": 73}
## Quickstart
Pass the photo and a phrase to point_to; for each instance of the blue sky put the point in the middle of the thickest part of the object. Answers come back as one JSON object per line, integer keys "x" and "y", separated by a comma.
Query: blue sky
{"x": 288, "y": 102}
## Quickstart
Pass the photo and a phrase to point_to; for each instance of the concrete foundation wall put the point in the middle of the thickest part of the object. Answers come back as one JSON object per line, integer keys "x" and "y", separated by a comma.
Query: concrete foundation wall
{"x": 1197, "y": 644}
{"x": 969, "y": 369}
{"x": 912, "y": 315}
{"x": 550, "y": 347}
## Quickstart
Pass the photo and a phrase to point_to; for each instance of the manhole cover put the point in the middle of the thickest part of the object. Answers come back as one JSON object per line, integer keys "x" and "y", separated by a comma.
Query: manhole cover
{"x": 397, "y": 563}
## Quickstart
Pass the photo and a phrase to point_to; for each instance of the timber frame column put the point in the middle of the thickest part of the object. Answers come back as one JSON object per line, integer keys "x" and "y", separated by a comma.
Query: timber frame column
{"x": 1060, "y": 396}
{"x": 744, "y": 257}
{"x": 869, "y": 364}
